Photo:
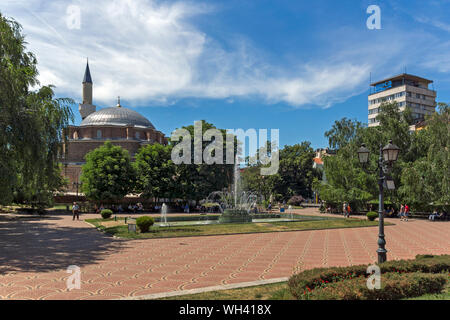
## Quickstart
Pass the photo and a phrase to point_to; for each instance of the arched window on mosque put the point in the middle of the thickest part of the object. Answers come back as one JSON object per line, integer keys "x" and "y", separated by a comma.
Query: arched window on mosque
{"x": 99, "y": 134}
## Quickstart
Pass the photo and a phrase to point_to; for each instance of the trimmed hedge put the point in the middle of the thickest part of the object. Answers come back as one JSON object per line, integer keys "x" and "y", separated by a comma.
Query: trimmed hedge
{"x": 308, "y": 280}
{"x": 296, "y": 200}
{"x": 106, "y": 213}
{"x": 144, "y": 223}
{"x": 394, "y": 286}
{"x": 372, "y": 215}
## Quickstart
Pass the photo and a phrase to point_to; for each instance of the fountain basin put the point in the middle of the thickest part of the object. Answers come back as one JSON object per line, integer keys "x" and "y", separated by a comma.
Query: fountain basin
{"x": 234, "y": 216}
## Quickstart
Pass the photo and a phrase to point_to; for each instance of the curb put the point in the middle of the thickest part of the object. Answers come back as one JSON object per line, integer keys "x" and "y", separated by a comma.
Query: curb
{"x": 206, "y": 289}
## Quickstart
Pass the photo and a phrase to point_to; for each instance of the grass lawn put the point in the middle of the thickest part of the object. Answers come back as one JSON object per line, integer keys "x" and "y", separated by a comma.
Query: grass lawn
{"x": 119, "y": 229}
{"x": 274, "y": 291}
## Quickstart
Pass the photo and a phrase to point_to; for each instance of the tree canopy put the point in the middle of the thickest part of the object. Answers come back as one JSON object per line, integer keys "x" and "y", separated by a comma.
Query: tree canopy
{"x": 197, "y": 181}
{"x": 31, "y": 124}
{"x": 155, "y": 172}
{"x": 108, "y": 175}
{"x": 420, "y": 173}
{"x": 294, "y": 177}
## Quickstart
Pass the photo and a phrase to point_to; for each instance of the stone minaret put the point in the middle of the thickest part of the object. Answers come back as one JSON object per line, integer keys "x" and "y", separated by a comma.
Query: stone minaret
{"x": 86, "y": 108}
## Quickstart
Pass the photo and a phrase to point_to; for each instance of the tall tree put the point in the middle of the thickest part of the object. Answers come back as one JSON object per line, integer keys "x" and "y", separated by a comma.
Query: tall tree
{"x": 348, "y": 182}
{"x": 296, "y": 171}
{"x": 155, "y": 172}
{"x": 342, "y": 132}
{"x": 426, "y": 182}
{"x": 31, "y": 124}
{"x": 197, "y": 181}
{"x": 252, "y": 178}
{"x": 107, "y": 175}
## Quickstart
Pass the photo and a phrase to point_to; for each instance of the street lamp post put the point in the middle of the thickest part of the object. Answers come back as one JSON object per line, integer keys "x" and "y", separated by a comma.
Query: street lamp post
{"x": 77, "y": 184}
{"x": 388, "y": 155}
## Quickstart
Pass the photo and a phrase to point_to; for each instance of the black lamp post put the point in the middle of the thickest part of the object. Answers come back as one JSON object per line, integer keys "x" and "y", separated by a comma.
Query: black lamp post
{"x": 77, "y": 184}
{"x": 388, "y": 155}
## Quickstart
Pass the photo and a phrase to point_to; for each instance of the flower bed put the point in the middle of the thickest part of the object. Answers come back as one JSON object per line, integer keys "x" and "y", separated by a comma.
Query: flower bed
{"x": 403, "y": 278}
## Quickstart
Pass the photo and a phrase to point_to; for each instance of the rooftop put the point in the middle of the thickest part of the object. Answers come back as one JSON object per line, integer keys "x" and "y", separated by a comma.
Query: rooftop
{"x": 117, "y": 116}
{"x": 405, "y": 76}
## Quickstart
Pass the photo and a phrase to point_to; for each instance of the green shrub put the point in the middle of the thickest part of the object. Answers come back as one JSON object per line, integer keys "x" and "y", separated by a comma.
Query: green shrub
{"x": 310, "y": 279}
{"x": 371, "y": 215}
{"x": 106, "y": 213}
{"x": 393, "y": 286}
{"x": 295, "y": 200}
{"x": 144, "y": 223}
{"x": 322, "y": 209}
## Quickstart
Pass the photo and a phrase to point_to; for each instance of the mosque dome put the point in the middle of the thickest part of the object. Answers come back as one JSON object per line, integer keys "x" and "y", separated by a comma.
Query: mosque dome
{"x": 116, "y": 116}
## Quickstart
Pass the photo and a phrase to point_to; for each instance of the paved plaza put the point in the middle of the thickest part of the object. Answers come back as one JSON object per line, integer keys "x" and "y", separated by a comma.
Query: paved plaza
{"x": 35, "y": 254}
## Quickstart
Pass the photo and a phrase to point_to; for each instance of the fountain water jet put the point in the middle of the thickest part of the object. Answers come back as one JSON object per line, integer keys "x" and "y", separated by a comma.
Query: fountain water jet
{"x": 163, "y": 222}
{"x": 235, "y": 205}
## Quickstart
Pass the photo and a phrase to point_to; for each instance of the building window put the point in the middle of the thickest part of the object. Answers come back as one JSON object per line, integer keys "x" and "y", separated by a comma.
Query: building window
{"x": 138, "y": 135}
{"x": 99, "y": 134}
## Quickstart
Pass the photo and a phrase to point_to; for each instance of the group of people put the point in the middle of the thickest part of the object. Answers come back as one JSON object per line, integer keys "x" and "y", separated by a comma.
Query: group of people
{"x": 404, "y": 212}
{"x": 346, "y": 209}
{"x": 436, "y": 215}
{"x": 135, "y": 207}
{"x": 118, "y": 208}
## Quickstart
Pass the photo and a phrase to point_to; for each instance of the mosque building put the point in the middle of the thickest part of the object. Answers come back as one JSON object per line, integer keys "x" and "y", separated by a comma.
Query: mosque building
{"x": 121, "y": 126}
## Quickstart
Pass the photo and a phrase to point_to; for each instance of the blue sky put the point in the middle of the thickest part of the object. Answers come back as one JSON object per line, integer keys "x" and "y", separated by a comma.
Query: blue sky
{"x": 296, "y": 66}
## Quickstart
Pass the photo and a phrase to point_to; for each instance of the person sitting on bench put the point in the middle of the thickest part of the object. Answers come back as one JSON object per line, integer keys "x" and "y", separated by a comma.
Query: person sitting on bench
{"x": 433, "y": 216}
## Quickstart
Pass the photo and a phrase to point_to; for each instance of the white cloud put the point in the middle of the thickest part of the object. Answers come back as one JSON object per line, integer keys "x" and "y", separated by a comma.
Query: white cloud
{"x": 150, "y": 51}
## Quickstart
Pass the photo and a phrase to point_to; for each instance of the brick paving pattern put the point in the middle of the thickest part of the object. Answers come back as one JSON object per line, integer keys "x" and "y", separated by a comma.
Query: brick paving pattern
{"x": 35, "y": 254}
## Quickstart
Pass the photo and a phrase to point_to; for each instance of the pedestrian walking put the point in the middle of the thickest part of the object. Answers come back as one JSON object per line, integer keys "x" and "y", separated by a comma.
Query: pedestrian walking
{"x": 75, "y": 211}
{"x": 406, "y": 212}
{"x": 402, "y": 212}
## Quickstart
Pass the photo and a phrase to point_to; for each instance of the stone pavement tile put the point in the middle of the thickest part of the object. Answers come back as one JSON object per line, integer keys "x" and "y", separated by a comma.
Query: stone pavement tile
{"x": 208, "y": 261}
{"x": 121, "y": 290}
{"x": 7, "y": 291}
{"x": 31, "y": 294}
{"x": 68, "y": 295}
{"x": 167, "y": 285}
{"x": 142, "y": 292}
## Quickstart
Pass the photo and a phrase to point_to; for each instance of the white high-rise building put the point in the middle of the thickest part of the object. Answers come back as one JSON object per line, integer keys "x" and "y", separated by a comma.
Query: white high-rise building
{"x": 406, "y": 90}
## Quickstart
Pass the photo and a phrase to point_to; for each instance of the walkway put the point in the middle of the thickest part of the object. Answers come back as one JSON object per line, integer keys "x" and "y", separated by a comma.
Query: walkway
{"x": 35, "y": 254}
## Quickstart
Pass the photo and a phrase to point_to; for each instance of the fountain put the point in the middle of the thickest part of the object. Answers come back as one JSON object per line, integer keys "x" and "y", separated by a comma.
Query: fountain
{"x": 290, "y": 214}
{"x": 235, "y": 205}
{"x": 163, "y": 221}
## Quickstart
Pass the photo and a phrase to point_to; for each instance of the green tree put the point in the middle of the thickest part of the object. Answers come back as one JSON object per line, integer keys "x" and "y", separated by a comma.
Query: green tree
{"x": 197, "y": 181}
{"x": 294, "y": 177}
{"x": 343, "y": 132}
{"x": 31, "y": 125}
{"x": 296, "y": 171}
{"x": 252, "y": 178}
{"x": 347, "y": 181}
{"x": 426, "y": 181}
{"x": 155, "y": 172}
{"x": 107, "y": 175}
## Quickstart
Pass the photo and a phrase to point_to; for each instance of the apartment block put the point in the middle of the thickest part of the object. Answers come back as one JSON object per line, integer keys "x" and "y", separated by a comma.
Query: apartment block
{"x": 408, "y": 91}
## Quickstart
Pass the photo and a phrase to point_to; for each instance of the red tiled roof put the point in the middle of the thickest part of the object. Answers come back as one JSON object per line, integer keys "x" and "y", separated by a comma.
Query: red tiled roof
{"x": 318, "y": 160}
